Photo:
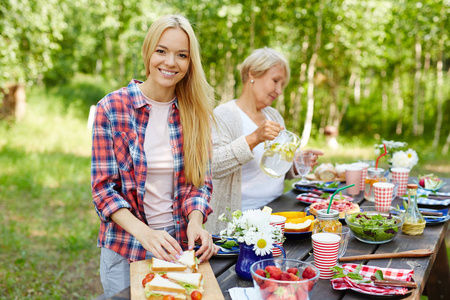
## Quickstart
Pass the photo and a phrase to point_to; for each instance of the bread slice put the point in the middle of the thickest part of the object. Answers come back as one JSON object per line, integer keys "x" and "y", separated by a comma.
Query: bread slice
{"x": 159, "y": 265}
{"x": 194, "y": 279}
{"x": 161, "y": 284}
{"x": 159, "y": 295}
{"x": 188, "y": 259}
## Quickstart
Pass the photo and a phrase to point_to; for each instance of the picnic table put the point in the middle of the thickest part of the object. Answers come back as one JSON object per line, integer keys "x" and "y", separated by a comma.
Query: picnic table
{"x": 431, "y": 273}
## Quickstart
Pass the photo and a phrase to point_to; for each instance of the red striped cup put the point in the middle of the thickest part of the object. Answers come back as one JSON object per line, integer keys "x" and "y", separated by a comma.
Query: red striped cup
{"x": 325, "y": 248}
{"x": 280, "y": 221}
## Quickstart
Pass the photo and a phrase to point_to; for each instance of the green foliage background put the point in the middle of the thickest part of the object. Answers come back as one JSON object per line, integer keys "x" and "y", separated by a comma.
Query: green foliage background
{"x": 366, "y": 51}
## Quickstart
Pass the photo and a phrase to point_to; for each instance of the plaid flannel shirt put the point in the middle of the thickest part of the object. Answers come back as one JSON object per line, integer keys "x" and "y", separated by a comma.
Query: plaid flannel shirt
{"x": 119, "y": 170}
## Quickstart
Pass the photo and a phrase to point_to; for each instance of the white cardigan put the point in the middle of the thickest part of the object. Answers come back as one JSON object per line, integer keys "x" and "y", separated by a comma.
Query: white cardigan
{"x": 231, "y": 151}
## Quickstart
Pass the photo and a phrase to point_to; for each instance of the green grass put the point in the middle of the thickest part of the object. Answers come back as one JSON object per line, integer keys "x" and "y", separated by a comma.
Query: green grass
{"x": 48, "y": 225}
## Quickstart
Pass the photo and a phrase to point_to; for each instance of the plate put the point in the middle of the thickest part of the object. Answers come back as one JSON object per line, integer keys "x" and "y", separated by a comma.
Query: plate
{"x": 399, "y": 296}
{"x": 312, "y": 176}
{"x": 434, "y": 221}
{"x": 431, "y": 190}
{"x": 234, "y": 250}
{"x": 297, "y": 235}
{"x": 313, "y": 186}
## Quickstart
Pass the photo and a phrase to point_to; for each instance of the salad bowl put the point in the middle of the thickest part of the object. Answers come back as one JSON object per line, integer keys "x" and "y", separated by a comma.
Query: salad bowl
{"x": 375, "y": 227}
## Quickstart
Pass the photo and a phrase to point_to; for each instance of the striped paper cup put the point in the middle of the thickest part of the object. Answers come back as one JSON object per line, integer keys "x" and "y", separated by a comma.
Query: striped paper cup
{"x": 280, "y": 221}
{"x": 325, "y": 248}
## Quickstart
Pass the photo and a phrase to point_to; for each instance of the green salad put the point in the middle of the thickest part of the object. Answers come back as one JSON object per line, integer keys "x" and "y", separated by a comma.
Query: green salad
{"x": 374, "y": 227}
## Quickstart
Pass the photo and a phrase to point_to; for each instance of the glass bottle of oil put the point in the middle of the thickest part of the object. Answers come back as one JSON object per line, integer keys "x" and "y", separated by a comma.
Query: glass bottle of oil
{"x": 327, "y": 220}
{"x": 414, "y": 221}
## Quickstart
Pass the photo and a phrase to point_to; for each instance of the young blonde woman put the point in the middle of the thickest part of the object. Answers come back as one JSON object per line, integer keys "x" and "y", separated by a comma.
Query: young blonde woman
{"x": 151, "y": 179}
{"x": 243, "y": 126}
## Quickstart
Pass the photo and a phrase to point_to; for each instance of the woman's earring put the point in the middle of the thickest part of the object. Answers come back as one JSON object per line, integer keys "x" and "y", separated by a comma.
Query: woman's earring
{"x": 252, "y": 81}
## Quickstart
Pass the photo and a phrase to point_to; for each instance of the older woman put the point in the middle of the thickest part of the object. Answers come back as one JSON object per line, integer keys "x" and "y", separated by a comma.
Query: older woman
{"x": 243, "y": 125}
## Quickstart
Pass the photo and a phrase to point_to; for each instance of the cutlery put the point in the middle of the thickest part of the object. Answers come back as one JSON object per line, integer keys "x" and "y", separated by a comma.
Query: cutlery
{"x": 393, "y": 282}
{"x": 410, "y": 253}
{"x": 438, "y": 197}
{"x": 429, "y": 213}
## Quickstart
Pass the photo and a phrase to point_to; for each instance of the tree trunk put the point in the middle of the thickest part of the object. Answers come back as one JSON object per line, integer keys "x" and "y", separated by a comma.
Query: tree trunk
{"x": 417, "y": 81}
{"x": 301, "y": 89}
{"x": 446, "y": 146}
{"x": 440, "y": 83}
{"x": 398, "y": 97}
{"x": 311, "y": 70}
{"x": 439, "y": 97}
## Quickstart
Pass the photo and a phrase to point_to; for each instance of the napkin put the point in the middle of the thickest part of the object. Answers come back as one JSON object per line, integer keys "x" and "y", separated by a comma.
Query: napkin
{"x": 346, "y": 283}
{"x": 249, "y": 293}
{"x": 313, "y": 198}
{"x": 427, "y": 201}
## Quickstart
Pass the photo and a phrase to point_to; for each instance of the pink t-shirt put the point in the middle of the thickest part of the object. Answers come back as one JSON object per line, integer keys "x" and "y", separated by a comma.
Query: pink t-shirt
{"x": 158, "y": 198}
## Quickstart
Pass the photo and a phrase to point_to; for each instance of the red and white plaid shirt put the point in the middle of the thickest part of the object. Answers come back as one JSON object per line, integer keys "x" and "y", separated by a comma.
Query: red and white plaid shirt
{"x": 119, "y": 170}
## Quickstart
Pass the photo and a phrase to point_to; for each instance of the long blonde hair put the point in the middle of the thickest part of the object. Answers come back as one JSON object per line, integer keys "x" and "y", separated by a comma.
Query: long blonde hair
{"x": 195, "y": 99}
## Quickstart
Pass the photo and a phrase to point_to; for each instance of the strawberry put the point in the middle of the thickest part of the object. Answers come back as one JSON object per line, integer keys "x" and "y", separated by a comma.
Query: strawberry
{"x": 261, "y": 272}
{"x": 269, "y": 286}
{"x": 306, "y": 285}
{"x": 285, "y": 276}
{"x": 294, "y": 277}
{"x": 308, "y": 273}
{"x": 274, "y": 272}
{"x": 301, "y": 294}
{"x": 292, "y": 271}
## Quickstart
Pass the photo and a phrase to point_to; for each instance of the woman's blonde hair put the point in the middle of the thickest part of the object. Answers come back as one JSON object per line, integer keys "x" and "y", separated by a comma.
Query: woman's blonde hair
{"x": 262, "y": 60}
{"x": 195, "y": 99}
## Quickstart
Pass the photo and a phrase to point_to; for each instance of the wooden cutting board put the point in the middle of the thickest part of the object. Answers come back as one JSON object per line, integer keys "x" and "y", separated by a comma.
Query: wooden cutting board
{"x": 139, "y": 269}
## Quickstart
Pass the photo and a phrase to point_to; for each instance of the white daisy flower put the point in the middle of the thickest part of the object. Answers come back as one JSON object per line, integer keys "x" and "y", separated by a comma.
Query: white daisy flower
{"x": 412, "y": 156}
{"x": 263, "y": 244}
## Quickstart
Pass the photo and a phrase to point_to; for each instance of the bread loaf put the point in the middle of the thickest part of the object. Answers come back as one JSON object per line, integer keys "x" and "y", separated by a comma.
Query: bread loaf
{"x": 325, "y": 172}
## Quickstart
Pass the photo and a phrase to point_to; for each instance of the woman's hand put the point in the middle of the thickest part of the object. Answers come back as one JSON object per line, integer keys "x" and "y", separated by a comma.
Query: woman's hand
{"x": 269, "y": 130}
{"x": 160, "y": 243}
{"x": 195, "y": 232}
{"x": 315, "y": 156}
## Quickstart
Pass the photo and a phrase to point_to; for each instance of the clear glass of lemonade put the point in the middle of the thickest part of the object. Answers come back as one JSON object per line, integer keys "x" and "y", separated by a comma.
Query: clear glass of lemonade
{"x": 279, "y": 154}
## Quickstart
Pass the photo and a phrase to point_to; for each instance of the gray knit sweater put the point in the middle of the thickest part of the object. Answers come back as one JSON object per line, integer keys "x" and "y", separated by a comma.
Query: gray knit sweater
{"x": 231, "y": 151}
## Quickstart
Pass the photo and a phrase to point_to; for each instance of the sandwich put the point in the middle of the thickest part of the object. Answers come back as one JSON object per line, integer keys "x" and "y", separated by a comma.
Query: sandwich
{"x": 159, "y": 265}
{"x": 189, "y": 260}
{"x": 190, "y": 281}
{"x": 159, "y": 287}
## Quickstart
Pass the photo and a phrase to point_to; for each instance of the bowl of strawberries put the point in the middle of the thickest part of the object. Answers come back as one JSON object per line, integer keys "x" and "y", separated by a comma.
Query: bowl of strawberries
{"x": 282, "y": 278}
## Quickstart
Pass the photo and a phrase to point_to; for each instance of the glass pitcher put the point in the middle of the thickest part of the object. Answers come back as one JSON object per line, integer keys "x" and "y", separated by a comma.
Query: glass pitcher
{"x": 279, "y": 154}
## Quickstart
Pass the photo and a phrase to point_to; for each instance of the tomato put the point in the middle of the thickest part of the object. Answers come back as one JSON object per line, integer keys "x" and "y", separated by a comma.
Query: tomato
{"x": 148, "y": 278}
{"x": 168, "y": 297}
{"x": 196, "y": 295}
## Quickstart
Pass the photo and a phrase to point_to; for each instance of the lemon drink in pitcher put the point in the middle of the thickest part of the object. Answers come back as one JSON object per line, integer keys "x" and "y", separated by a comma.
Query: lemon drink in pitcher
{"x": 279, "y": 154}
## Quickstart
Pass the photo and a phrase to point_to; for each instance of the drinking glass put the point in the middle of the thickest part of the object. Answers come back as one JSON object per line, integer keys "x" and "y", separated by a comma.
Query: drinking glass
{"x": 302, "y": 162}
{"x": 344, "y": 234}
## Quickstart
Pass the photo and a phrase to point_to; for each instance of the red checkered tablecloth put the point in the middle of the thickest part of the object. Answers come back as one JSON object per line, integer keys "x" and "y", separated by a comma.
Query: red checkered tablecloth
{"x": 313, "y": 198}
{"x": 346, "y": 283}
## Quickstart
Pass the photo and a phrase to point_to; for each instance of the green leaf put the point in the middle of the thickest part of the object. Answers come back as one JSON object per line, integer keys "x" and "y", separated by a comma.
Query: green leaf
{"x": 379, "y": 275}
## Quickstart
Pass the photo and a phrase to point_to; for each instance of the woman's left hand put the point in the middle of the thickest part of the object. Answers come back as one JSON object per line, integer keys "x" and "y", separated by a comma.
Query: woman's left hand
{"x": 315, "y": 157}
{"x": 196, "y": 233}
